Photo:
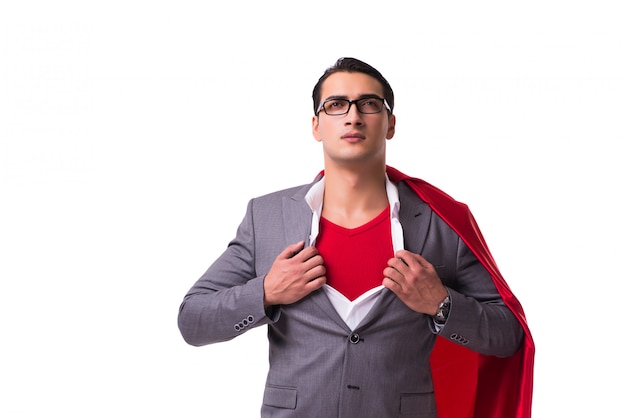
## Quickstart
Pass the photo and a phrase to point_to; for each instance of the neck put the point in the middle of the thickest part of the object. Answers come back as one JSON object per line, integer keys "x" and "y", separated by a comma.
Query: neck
{"x": 353, "y": 197}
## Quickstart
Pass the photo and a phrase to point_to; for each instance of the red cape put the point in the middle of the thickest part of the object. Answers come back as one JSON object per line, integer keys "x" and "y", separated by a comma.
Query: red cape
{"x": 468, "y": 384}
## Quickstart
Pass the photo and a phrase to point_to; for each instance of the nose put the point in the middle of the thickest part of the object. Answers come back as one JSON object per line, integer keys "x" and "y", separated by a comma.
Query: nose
{"x": 353, "y": 117}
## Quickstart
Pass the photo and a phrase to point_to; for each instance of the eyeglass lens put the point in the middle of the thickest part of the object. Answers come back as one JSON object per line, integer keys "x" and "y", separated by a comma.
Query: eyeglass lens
{"x": 342, "y": 106}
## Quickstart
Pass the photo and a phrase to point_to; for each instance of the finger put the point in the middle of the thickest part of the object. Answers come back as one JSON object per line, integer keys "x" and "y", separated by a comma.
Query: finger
{"x": 423, "y": 262}
{"x": 306, "y": 254}
{"x": 392, "y": 285}
{"x": 394, "y": 275}
{"x": 313, "y": 262}
{"x": 412, "y": 259}
{"x": 406, "y": 257}
{"x": 399, "y": 265}
{"x": 291, "y": 250}
{"x": 315, "y": 273}
{"x": 316, "y": 283}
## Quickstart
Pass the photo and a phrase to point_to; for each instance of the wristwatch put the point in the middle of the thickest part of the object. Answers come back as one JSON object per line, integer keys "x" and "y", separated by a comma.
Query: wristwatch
{"x": 442, "y": 312}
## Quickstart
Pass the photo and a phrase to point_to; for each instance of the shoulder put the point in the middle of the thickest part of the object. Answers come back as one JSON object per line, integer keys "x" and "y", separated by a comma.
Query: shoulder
{"x": 438, "y": 200}
{"x": 275, "y": 201}
{"x": 424, "y": 201}
{"x": 296, "y": 192}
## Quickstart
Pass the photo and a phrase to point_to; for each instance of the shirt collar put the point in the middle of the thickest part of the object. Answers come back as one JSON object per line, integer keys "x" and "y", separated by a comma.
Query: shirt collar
{"x": 315, "y": 200}
{"x": 315, "y": 195}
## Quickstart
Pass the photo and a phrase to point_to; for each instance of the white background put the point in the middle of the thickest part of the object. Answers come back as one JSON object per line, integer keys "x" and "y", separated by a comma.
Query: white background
{"x": 132, "y": 134}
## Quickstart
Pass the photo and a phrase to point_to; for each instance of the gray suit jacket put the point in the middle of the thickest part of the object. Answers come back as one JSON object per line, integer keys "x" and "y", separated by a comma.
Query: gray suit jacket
{"x": 319, "y": 368}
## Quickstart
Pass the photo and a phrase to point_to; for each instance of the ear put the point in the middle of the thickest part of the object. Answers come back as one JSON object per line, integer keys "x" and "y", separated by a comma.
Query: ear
{"x": 391, "y": 129}
{"x": 315, "y": 127}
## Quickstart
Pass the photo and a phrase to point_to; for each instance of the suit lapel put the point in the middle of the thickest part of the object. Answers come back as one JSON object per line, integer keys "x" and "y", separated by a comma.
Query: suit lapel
{"x": 297, "y": 217}
{"x": 415, "y": 218}
{"x": 320, "y": 298}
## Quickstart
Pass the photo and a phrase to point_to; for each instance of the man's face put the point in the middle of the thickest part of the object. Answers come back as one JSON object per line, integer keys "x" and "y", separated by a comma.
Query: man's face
{"x": 355, "y": 136}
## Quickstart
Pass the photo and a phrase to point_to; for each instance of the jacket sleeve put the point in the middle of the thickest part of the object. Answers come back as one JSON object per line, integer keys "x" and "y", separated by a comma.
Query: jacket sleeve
{"x": 479, "y": 319}
{"x": 228, "y": 299}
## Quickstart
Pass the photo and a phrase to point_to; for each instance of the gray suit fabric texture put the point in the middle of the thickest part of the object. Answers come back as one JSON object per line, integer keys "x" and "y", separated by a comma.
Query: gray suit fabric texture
{"x": 318, "y": 366}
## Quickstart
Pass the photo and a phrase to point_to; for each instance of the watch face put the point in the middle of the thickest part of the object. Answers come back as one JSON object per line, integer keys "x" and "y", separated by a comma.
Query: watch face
{"x": 444, "y": 309}
{"x": 442, "y": 313}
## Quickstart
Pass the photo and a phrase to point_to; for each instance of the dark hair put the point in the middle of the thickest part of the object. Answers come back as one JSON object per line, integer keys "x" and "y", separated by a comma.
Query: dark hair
{"x": 352, "y": 65}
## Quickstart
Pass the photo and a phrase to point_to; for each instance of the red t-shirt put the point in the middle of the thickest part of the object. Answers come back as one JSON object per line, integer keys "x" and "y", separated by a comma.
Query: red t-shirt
{"x": 355, "y": 257}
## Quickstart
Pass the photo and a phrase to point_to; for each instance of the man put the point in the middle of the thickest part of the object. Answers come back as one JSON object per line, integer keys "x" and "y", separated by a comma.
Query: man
{"x": 360, "y": 277}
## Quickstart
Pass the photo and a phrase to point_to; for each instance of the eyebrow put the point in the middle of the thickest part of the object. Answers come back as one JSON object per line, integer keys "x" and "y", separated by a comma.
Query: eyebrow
{"x": 363, "y": 96}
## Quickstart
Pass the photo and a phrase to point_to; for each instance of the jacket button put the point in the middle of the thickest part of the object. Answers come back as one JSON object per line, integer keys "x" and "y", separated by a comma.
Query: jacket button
{"x": 354, "y": 338}
{"x": 459, "y": 339}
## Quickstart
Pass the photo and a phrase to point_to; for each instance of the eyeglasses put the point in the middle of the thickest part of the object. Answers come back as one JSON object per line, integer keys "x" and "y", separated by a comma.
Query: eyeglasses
{"x": 366, "y": 105}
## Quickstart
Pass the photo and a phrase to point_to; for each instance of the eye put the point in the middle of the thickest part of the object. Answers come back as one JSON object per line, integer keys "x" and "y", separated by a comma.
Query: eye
{"x": 335, "y": 104}
{"x": 370, "y": 105}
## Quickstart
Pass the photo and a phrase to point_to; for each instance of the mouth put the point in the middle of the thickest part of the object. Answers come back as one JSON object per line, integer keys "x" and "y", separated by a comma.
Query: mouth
{"x": 353, "y": 137}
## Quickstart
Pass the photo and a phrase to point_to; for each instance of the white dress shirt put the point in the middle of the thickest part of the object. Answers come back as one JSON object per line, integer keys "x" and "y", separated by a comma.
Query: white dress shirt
{"x": 352, "y": 312}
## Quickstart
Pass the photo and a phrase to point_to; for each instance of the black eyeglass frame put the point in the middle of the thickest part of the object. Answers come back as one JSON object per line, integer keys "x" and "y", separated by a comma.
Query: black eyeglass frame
{"x": 355, "y": 102}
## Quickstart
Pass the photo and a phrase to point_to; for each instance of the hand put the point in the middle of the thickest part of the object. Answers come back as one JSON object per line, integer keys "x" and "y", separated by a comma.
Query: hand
{"x": 416, "y": 283}
{"x": 296, "y": 272}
